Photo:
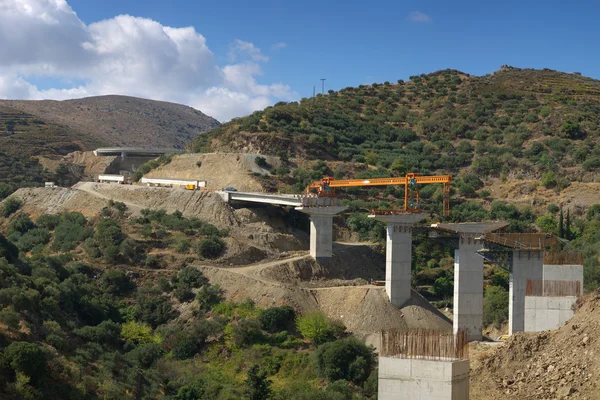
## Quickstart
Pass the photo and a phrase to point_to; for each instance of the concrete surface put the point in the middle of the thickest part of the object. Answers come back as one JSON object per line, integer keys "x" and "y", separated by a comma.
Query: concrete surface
{"x": 526, "y": 265}
{"x": 398, "y": 255}
{"x": 564, "y": 273}
{"x": 419, "y": 379}
{"x": 547, "y": 313}
{"x": 321, "y": 231}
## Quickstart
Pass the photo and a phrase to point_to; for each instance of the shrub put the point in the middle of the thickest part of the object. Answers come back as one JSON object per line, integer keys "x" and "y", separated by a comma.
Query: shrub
{"x": 11, "y": 318}
{"x": 211, "y": 248}
{"x": 107, "y": 332}
{"x": 48, "y": 221}
{"x": 317, "y": 328}
{"x": 548, "y": 179}
{"x": 191, "y": 277}
{"x": 10, "y": 206}
{"x": 193, "y": 391}
{"x": 244, "y": 332}
{"x": 21, "y": 224}
{"x": 348, "y": 359}
{"x": 5, "y": 190}
{"x": 209, "y": 295}
{"x": 146, "y": 354}
{"x": 495, "y": 306}
{"x": 276, "y": 319}
{"x": 138, "y": 333}
{"x": 182, "y": 245}
{"x": 152, "y": 307}
{"x": 116, "y": 282}
{"x": 261, "y": 162}
{"x": 258, "y": 387}
{"x": 26, "y": 358}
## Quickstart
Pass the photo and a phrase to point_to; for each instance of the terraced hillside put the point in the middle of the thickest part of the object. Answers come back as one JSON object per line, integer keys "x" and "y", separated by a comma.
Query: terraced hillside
{"x": 518, "y": 123}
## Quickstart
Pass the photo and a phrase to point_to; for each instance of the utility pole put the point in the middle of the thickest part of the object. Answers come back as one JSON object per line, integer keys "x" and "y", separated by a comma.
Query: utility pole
{"x": 314, "y": 89}
{"x": 323, "y": 85}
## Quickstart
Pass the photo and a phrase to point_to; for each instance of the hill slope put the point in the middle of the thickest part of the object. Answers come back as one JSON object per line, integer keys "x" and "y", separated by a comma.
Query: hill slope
{"x": 515, "y": 122}
{"x": 121, "y": 120}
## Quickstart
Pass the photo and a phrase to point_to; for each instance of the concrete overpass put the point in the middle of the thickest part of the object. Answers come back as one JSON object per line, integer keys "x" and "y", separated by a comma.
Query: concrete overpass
{"x": 293, "y": 200}
{"x": 134, "y": 151}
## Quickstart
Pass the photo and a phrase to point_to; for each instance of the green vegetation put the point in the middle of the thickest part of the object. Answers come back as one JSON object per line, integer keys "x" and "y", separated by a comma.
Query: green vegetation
{"x": 71, "y": 328}
{"x": 152, "y": 164}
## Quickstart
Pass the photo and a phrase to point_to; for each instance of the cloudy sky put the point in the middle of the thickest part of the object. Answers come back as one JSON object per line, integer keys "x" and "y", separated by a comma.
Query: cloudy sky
{"x": 228, "y": 58}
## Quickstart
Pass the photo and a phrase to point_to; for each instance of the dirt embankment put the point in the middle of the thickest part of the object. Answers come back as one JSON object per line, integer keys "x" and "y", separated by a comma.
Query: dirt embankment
{"x": 548, "y": 365}
{"x": 577, "y": 197}
{"x": 90, "y": 165}
{"x": 218, "y": 170}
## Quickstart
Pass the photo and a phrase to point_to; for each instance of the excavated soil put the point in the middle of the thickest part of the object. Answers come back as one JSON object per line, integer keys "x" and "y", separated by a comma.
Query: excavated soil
{"x": 37, "y": 201}
{"x": 548, "y": 365}
{"x": 218, "y": 170}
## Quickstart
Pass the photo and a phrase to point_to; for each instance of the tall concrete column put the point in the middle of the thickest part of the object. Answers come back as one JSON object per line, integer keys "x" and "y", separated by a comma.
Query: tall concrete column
{"x": 321, "y": 231}
{"x": 468, "y": 287}
{"x": 398, "y": 255}
{"x": 468, "y": 275}
{"x": 525, "y": 265}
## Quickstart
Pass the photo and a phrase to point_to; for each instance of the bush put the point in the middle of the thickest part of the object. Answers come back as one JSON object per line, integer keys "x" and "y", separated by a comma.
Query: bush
{"x": 11, "y": 318}
{"x": 261, "y": 162}
{"x": 48, "y": 221}
{"x": 116, "y": 282}
{"x": 317, "y": 328}
{"x": 21, "y": 224}
{"x": 146, "y": 355}
{"x": 495, "y": 306}
{"x": 107, "y": 332}
{"x": 138, "y": 333}
{"x": 182, "y": 245}
{"x": 348, "y": 359}
{"x": 26, "y": 358}
{"x": 211, "y": 248}
{"x": 10, "y": 206}
{"x": 209, "y": 295}
{"x": 152, "y": 307}
{"x": 244, "y": 332}
{"x": 548, "y": 180}
{"x": 276, "y": 319}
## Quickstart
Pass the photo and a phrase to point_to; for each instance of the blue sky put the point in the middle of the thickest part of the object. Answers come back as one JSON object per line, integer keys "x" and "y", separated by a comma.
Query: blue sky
{"x": 284, "y": 47}
{"x": 363, "y": 42}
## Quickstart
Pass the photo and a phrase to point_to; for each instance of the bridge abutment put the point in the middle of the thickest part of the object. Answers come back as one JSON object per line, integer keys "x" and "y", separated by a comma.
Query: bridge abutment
{"x": 526, "y": 265}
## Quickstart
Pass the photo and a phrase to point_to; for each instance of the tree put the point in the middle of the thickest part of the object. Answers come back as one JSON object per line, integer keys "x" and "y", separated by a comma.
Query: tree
{"x": 116, "y": 282}
{"x": 26, "y": 358}
{"x": 317, "y": 328}
{"x": 261, "y": 162}
{"x": 495, "y": 306}
{"x": 398, "y": 166}
{"x": 371, "y": 158}
{"x": 561, "y": 229}
{"x": 276, "y": 319}
{"x": 5, "y": 190}
{"x": 568, "y": 226}
{"x": 193, "y": 391}
{"x": 211, "y": 247}
{"x": 10, "y": 206}
{"x": 258, "y": 387}
{"x": 348, "y": 359}
{"x": 152, "y": 307}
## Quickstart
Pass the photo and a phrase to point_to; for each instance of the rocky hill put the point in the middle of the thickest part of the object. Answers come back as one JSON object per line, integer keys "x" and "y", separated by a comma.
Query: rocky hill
{"x": 514, "y": 123}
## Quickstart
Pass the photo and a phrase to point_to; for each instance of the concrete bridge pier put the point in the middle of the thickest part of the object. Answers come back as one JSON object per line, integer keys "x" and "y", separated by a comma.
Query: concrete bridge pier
{"x": 398, "y": 255}
{"x": 526, "y": 265}
{"x": 321, "y": 230}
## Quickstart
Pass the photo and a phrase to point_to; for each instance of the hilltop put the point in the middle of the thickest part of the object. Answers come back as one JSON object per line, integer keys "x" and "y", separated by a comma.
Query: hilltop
{"x": 514, "y": 123}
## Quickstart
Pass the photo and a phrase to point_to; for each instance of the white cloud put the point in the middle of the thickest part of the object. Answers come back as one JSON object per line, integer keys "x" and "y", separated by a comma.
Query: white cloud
{"x": 239, "y": 48}
{"x": 418, "y": 16}
{"x": 279, "y": 46}
{"x": 126, "y": 55}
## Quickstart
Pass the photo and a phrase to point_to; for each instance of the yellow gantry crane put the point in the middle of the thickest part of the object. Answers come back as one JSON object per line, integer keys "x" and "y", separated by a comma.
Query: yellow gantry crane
{"x": 326, "y": 187}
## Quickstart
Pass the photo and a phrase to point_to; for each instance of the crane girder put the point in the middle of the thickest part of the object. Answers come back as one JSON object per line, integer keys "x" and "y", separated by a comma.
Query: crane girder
{"x": 326, "y": 187}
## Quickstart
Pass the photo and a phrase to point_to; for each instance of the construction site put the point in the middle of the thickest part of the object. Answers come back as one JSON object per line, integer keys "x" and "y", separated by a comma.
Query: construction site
{"x": 423, "y": 352}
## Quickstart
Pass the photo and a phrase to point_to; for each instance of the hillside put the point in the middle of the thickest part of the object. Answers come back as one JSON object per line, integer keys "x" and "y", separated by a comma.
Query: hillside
{"x": 56, "y": 128}
{"x": 514, "y": 123}
{"x": 547, "y": 365}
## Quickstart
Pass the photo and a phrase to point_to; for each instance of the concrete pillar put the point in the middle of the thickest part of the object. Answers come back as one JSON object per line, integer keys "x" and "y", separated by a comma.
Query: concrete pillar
{"x": 525, "y": 265}
{"x": 398, "y": 255}
{"x": 321, "y": 231}
{"x": 468, "y": 286}
{"x": 468, "y": 274}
